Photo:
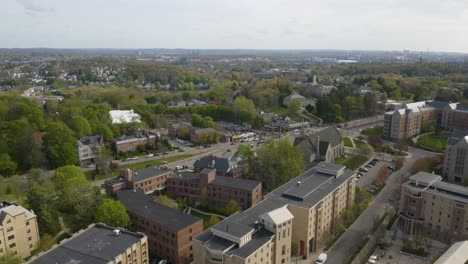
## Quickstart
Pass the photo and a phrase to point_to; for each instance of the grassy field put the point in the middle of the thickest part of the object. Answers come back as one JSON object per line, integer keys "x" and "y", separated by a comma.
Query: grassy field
{"x": 140, "y": 165}
{"x": 355, "y": 162}
{"x": 361, "y": 144}
{"x": 373, "y": 131}
{"x": 433, "y": 141}
{"x": 347, "y": 142}
{"x": 340, "y": 160}
{"x": 205, "y": 218}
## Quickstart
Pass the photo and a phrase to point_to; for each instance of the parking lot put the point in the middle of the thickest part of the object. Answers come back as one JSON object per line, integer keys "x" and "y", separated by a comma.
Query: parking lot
{"x": 366, "y": 180}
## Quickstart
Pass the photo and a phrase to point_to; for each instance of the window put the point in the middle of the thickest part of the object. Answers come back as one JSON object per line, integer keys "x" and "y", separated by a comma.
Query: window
{"x": 11, "y": 237}
{"x": 283, "y": 251}
{"x": 9, "y": 229}
{"x": 27, "y": 223}
{"x": 13, "y": 245}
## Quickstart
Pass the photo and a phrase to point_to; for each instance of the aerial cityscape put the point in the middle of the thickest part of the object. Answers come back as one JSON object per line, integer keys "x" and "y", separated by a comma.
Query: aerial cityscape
{"x": 233, "y": 132}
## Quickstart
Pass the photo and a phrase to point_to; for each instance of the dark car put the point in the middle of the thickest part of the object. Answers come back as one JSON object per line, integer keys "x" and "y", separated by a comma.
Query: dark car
{"x": 206, "y": 146}
{"x": 165, "y": 153}
{"x": 363, "y": 170}
{"x": 375, "y": 160}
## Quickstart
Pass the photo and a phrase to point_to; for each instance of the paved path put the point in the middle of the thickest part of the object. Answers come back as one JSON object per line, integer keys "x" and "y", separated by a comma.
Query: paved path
{"x": 205, "y": 213}
{"x": 352, "y": 238}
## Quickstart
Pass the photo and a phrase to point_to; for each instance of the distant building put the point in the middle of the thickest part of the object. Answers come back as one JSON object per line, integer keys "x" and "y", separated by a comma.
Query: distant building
{"x": 170, "y": 231}
{"x": 296, "y": 219}
{"x": 124, "y": 116}
{"x": 200, "y": 135}
{"x": 410, "y": 119}
{"x": 456, "y": 157}
{"x": 319, "y": 90}
{"x": 98, "y": 244}
{"x": 131, "y": 142}
{"x": 436, "y": 208}
{"x": 325, "y": 144}
{"x": 456, "y": 254}
{"x": 225, "y": 164}
{"x": 303, "y": 101}
{"x": 217, "y": 190}
{"x": 19, "y": 233}
{"x": 148, "y": 180}
{"x": 87, "y": 148}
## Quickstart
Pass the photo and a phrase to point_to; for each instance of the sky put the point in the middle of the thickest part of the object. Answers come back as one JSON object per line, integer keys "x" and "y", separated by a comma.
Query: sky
{"x": 423, "y": 25}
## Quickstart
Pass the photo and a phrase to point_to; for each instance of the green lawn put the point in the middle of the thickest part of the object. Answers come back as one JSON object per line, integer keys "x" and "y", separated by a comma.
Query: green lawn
{"x": 141, "y": 165}
{"x": 347, "y": 142}
{"x": 355, "y": 162}
{"x": 205, "y": 218}
{"x": 340, "y": 160}
{"x": 433, "y": 141}
{"x": 361, "y": 144}
{"x": 373, "y": 131}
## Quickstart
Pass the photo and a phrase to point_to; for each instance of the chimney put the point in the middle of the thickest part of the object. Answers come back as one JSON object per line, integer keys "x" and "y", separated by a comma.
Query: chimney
{"x": 127, "y": 174}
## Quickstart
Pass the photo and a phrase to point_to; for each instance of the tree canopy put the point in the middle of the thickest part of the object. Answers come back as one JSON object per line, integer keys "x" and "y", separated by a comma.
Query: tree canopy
{"x": 112, "y": 213}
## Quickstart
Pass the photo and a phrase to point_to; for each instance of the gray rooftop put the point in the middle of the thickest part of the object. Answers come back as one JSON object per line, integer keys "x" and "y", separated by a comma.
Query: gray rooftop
{"x": 456, "y": 136}
{"x": 242, "y": 184}
{"x": 232, "y": 228}
{"x": 95, "y": 245}
{"x": 142, "y": 205}
{"x": 147, "y": 173}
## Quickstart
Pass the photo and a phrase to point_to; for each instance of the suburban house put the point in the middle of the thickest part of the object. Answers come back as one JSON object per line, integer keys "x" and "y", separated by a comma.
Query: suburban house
{"x": 455, "y": 159}
{"x": 148, "y": 180}
{"x": 225, "y": 164}
{"x": 131, "y": 142}
{"x": 296, "y": 219}
{"x": 215, "y": 190}
{"x": 124, "y": 116}
{"x": 87, "y": 148}
{"x": 170, "y": 231}
{"x": 19, "y": 233}
{"x": 323, "y": 144}
{"x": 98, "y": 244}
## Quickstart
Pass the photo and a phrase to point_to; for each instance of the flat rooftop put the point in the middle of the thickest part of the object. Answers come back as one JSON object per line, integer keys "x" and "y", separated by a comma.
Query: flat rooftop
{"x": 95, "y": 245}
{"x": 142, "y": 205}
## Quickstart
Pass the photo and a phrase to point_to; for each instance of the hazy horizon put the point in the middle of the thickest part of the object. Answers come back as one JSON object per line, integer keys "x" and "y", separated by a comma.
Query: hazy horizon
{"x": 337, "y": 25}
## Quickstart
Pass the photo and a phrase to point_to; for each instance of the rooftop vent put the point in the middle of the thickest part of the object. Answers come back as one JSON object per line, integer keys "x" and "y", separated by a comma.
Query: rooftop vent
{"x": 298, "y": 183}
{"x": 116, "y": 232}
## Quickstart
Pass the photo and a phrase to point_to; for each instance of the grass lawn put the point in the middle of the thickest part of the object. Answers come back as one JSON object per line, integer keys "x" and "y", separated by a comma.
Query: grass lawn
{"x": 373, "y": 131}
{"x": 355, "y": 162}
{"x": 347, "y": 142}
{"x": 340, "y": 160}
{"x": 361, "y": 144}
{"x": 140, "y": 165}
{"x": 205, "y": 218}
{"x": 433, "y": 141}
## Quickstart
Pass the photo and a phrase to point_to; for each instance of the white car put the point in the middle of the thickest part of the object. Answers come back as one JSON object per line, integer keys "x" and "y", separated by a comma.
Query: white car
{"x": 371, "y": 261}
{"x": 374, "y": 257}
{"x": 178, "y": 167}
{"x": 150, "y": 155}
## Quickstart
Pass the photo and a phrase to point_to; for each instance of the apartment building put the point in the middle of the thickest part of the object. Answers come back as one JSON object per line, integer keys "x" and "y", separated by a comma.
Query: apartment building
{"x": 98, "y": 244}
{"x": 409, "y": 120}
{"x": 457, "y": 253}
{"x": 19, "y": 233}
{"x": 170, "y": 231}
{"x": 437, "y": 208}
{"x": 216, "y": 190}
{"x": 128, "y": 143}
{"x": 455, "y": 160}
{"x": 293, "y": 220}
{"x": 148, "y": 180}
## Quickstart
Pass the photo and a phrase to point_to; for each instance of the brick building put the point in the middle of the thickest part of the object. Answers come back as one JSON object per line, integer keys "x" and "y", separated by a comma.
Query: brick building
{"x": 170, "y": 231}
{"x": 217, "y": 190}
{"x": 147, "y": 180}
{"x": 226, "y": 164}
{"x": 437, "y": 208}
{"x": 455, "y": 159}
{"x": 131, "y": 142}
{"x": 295, "y": 219}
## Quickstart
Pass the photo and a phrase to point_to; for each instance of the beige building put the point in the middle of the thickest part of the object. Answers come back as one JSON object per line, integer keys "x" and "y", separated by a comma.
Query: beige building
{"x": 98, "y": 244}
{"x": 438, "y": 208}
{"x": 295, "y": 219}
{"x": 19, "y": 233}
{"x": 456, "y": 254}
{"x": 455, "y": 160}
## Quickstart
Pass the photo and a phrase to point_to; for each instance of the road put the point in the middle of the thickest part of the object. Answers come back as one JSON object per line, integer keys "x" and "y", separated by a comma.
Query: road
{"x": 352, "y": 238}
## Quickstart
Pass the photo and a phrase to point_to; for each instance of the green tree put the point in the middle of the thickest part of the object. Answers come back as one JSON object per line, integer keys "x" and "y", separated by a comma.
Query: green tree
{"x": 183, "y": 132}
{"x": 213, "y": 220}
{"x": 59, "y": 144}
{"x": 258, "y": 122}
{"x": 65, "y": 173}
{"x": 231, "y": 207}
{"x": 7, "y": 166}
{"x": 294, "y": 107}
{"x": 10, "y": 259}
{"x": 245, "y": 152}
{"x": 276, "y": 163}
{"x": 112, "y": 213}
{"x": 243, "y": 104}
{"x": 80, "y": 126}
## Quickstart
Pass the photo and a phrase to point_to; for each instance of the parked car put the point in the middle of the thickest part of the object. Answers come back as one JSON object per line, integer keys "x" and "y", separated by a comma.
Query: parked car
{"x": 375, "y": 160}
{"x": 181, "y": 150}
{"x": 162, "y": 261}
{"x": 363, "y": 170}
{"x": 360, "y": 174}
{"x": 322, "y": 258}
{"x": 178, "y": 167}
{"x": 90, "y": 166}
{"x": 150, "y": 155}
{"x": 368, "y": 166}
{"x": 206, "y": 146}
{"x": 391, "y": 168}
{"x": 166, "y": 153}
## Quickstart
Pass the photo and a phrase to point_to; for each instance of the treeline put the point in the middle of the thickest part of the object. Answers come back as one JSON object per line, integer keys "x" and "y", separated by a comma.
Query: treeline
{"x": 415, "y": 69}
